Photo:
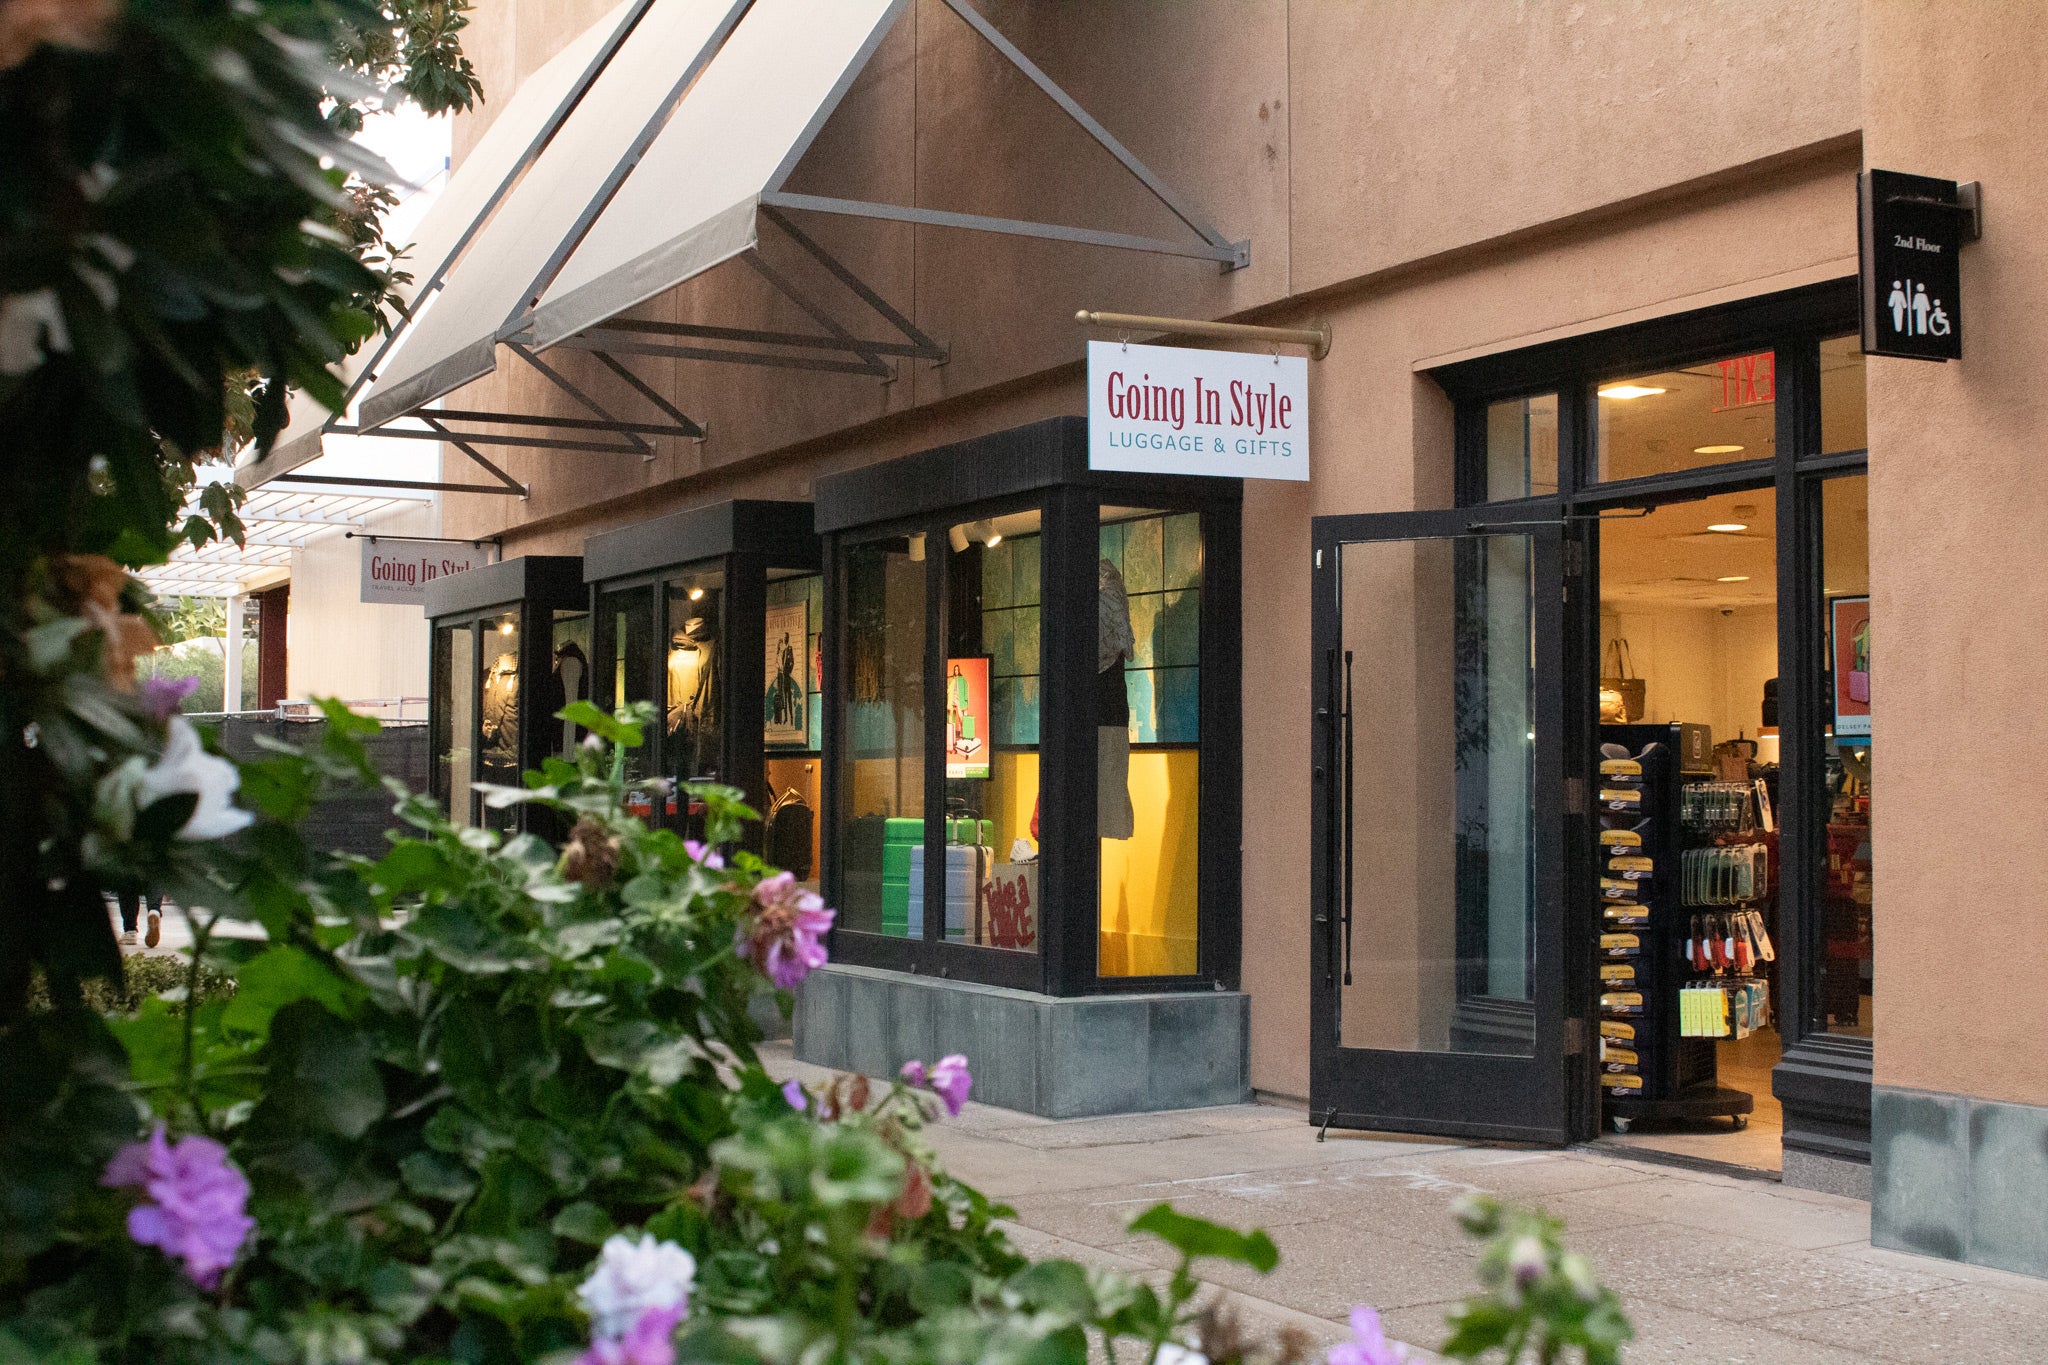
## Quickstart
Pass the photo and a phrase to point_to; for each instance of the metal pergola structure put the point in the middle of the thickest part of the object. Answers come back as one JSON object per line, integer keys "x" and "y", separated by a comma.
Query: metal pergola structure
{"x": 278, "y": 520}
{"x": 835, "y": 347}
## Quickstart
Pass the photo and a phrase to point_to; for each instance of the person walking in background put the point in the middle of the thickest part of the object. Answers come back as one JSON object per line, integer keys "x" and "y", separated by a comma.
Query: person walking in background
{"x": 130, "y": 910}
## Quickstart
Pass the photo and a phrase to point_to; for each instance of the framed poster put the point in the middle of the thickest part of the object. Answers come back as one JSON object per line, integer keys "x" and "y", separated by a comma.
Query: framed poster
{"x": 1849, "y": 629}
{"x": 967, "y": 717}
{"x": 786, "y": 715}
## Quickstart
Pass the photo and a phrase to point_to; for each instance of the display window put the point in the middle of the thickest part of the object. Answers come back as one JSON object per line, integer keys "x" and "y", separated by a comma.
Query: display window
{"x": 1023, "y": 768}
{"x": 1149, "y": 731}
{"x": 713, "y": 617}
{"x": 1847, "y": 757}
{"x": 510, "y": 645}
{"x": 793, "y": 723}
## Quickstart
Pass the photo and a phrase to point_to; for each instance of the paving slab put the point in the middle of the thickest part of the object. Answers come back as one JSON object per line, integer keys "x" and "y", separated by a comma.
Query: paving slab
{"x": 1711, "y": 1266}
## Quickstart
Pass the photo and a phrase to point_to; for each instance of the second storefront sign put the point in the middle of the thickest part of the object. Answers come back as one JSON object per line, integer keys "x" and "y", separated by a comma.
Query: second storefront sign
{"x": 1172, "y": 410}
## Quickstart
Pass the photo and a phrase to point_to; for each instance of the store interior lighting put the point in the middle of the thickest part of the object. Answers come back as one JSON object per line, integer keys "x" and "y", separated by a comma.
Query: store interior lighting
{"x": 1625, "y": 391}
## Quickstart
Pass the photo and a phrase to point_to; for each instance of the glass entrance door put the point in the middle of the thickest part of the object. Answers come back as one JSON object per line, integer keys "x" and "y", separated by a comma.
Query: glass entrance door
{"x": 1438, "y": 987}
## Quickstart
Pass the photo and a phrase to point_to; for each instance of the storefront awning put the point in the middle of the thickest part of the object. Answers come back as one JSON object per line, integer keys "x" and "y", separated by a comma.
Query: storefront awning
{"x": 689, "y": 196}
{"x": 518, "y": 251}
{"x": 515, "y": 136}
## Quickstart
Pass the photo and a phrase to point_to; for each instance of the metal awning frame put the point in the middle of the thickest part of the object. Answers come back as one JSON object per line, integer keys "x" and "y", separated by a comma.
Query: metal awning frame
{"x": 834, "y": 349}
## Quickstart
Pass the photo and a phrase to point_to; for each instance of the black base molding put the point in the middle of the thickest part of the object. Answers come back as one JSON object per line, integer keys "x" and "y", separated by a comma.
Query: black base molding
{"x": 1823, "y": 1082}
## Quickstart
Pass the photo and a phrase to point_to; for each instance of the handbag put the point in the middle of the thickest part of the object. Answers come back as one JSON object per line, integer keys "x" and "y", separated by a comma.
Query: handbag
{"x": 1618, "y": 677}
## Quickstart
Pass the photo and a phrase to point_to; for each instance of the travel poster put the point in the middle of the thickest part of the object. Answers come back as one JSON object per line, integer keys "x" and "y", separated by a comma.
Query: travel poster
{"x": 967, "y": 717}
{"x": 1850, "y": 621}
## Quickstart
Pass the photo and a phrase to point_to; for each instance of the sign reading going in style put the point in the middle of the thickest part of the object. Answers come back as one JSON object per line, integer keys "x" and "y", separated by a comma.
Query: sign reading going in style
{"x": 399, "y": 570}
{"x": 1910, "y": 229}
{"x": 1171, "y": 410}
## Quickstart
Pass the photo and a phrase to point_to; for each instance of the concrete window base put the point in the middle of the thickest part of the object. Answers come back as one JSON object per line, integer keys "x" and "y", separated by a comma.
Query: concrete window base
{"x": 1960, "y": 1178}
{"x": 1827, "y": 1174}
{"x": 1060, "y": 1057}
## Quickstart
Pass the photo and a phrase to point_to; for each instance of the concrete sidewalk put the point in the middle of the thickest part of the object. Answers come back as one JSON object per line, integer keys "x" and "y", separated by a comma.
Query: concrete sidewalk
{"x": 1709, "y": 1267}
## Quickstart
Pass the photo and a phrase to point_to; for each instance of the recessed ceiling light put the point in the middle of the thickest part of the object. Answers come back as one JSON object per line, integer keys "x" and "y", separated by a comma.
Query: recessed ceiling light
{"x": 1734, "y": 578}
{"x": 1729, "y": 527}
{"x": 696, "y": 594}
{"x": 504, "y": 627}
{"x": 994, "y": 540}
{"x": 1630, "y": 391}
{"x": 1715, "y": 450}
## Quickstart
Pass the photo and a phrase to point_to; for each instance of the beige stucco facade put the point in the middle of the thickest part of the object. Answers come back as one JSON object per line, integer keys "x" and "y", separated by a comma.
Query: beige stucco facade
{"x": 1440, "y": 182}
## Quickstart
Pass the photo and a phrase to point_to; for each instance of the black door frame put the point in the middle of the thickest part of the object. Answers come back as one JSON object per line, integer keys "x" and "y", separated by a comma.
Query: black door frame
{"x": 1464, "y": 1094}
{"x": 1823, "y": 1079}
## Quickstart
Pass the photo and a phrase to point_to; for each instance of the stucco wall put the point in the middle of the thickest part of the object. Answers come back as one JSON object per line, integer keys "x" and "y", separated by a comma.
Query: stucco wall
{"x": 340, "y": 646}
{"x": 1957, "y": 492}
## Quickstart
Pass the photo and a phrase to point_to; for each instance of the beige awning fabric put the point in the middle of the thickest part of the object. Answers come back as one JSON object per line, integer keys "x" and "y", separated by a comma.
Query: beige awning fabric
{"x": 690, "y": 203}
{"x": 454, "y": 339}
{"x": 515, "y": 135}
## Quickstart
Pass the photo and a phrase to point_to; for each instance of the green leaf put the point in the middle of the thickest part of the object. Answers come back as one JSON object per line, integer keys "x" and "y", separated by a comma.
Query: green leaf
{"x": 583, "y": 1222}
{"x": 278, "y": 977}
{"x": 1198, "y": 1237}
{"x": 605, "y": 727}
{"x": 431, "y": 1175}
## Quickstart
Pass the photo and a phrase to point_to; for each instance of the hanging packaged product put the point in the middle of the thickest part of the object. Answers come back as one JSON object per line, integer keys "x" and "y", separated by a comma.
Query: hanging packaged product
{"x": 1614, "y": 1057}
{"x": 1621, "y": 945}
{"x": 1621, "y": 800}
{"x": 1626, "y": 915}
{"x": 1616, "y": 1031}
{"x": 1621, "y": 1002}
{"x": 1617, "y": 976}
{"x": 1618, "y": 841}
{"x": 1622, "y": 1083}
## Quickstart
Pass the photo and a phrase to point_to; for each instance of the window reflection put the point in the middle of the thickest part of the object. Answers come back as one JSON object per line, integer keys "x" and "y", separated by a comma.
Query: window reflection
{"x": 1847, "y": 968}
{"x": 990, "y": 732}
{"x": 882, "y": 762}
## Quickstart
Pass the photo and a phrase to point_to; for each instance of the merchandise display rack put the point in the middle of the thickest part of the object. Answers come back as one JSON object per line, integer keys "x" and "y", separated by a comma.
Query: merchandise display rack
{"x": 1647, "y": 1070}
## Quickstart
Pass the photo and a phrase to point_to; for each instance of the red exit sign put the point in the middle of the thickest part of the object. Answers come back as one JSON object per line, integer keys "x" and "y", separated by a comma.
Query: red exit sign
{"x": 1748, "y": 380}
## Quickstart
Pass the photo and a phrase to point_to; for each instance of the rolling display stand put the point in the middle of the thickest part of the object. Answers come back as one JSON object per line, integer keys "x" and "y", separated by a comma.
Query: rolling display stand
{"x": 1647, "y": 1070}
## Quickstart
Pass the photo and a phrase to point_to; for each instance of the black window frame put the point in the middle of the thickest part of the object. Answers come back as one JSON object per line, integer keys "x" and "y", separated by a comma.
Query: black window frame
{"x": 1822, "y": 1079}
{"x": 1043, "y": 467}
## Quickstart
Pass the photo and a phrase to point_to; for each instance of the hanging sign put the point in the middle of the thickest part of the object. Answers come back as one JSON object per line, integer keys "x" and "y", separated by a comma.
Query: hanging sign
{"x": 1172, "y": 410}
{"x": 1910, "y": 229}
{"x": 399, "y": 570}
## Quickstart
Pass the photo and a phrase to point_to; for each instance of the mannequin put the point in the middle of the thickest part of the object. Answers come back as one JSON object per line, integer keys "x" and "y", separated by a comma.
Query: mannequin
{"x": 571, "y": 683}
{"x": 1114, "y": 817}
{"x": 693, "y": 700}
{"x": 501, "y": 712}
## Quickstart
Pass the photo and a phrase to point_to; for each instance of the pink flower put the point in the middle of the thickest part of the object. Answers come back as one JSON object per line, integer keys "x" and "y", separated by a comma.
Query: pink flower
{"x": 703, "y": 854}
{"x": 1368, "y": 1344}
{"x": 783, "y": 940}
{"x": 162, "y": 696}
{"x": 200, "y": 1200}
{"x": 951, "y": 1081}
{"x": 793, "y": 1091}
{"x": 650, "y": 1341}
{"x": 913, "y": 1073}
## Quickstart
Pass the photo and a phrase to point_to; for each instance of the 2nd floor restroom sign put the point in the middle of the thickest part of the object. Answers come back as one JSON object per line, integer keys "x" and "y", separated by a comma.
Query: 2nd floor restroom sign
{"x": 1910, "y": 231}
{"x": 1172, "y": 410}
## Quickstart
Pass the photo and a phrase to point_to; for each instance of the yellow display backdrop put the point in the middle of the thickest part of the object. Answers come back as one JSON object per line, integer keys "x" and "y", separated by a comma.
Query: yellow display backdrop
{"x": 1149, "y": 903}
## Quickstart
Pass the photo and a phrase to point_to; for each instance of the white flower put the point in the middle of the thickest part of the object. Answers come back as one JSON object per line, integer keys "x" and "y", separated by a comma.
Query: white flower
{"x": 1170, "y": 1354}
{"x": 186, "y": 767}
{"x": 632, "y": 1277}
{"x": 27, "y": 323}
